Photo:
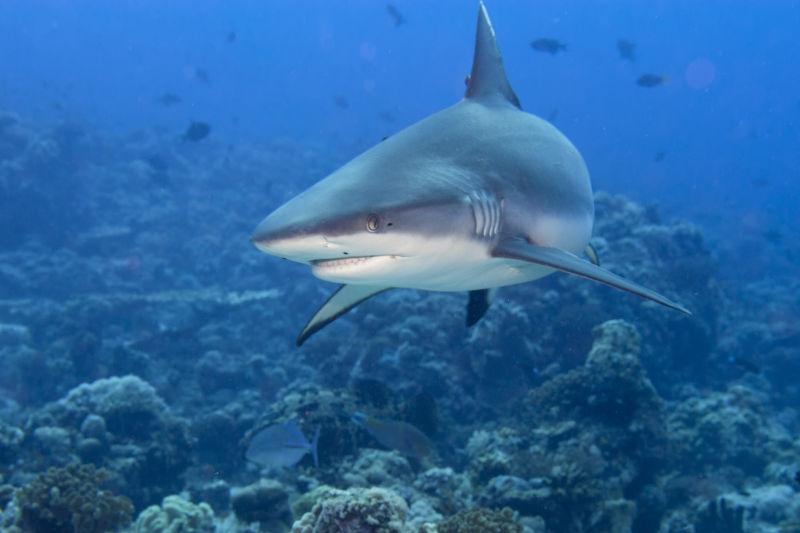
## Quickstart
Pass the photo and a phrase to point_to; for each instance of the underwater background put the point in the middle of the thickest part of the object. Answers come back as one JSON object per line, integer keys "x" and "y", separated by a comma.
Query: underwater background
{"x": 146, "y": 346}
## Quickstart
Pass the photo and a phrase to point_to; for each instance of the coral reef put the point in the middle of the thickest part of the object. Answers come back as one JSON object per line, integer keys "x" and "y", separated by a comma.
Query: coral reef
{"x": 175, "y": 515}
{"x": 10, "y": 439}
{"x": 70, "y": 499}
{"x": 371, "y": 510}
{"x": 728, "y": 429}
{"x": 265, "y": 502}
{"x": 123, "y": 425}
{"x": 479, "y": 520}
{"x": 137, "y": 336}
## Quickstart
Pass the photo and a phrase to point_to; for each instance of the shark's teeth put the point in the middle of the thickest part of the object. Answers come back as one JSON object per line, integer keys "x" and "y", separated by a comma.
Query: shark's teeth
{"x": 345, "y": 261}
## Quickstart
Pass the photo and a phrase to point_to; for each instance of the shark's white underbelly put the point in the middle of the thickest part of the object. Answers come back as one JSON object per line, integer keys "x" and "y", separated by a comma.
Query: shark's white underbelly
{"x": 447, "y": 265}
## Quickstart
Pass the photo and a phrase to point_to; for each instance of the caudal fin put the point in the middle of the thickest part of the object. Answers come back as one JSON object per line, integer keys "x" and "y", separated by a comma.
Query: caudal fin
{"x": 314, "y": 444}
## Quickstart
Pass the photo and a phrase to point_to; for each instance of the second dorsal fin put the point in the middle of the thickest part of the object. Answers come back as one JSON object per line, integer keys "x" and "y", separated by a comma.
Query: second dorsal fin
{"x": 488, "y": 81}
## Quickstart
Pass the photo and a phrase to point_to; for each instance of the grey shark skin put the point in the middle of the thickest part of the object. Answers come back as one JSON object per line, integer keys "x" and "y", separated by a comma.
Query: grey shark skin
{"x": 477, "y": 196}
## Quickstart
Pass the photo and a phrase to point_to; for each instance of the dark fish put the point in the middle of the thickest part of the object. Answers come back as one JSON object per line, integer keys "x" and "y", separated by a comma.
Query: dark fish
{"x": 197, "y": 131}
{"x": 386, "y": 116}
{"x": 627, "y": 50}
{"x": 760, "y": 182}
{"x": 553, "y": 116}
{"x": 7, "y": 121}
{"x": 797, "y": 477}
{"x": 773, "y": 236}
{"x": 748, "y": 365}
{"x": 397, "y": 435}
{"x": 373, "y": 391}
{"x": 157, "y": 163}
{"x": 341, "y": 102}
{"x": 659, "y": 157}
{"x": 651, "y": 80}
{"x": 421, "y": 411}
{"x": 160, "y": 169}
{"x": 201, "y": 74}
{"x": 397, "y": 17}
{"x": 548, "y": 45}
{"x": 231, "y": 37}
{"x": 169, "y": 99}
{"x": 281, "y": 445}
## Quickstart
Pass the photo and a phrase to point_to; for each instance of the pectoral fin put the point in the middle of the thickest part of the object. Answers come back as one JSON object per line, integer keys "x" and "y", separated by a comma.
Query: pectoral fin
{"x": 478, "y": 304}
{"x": 592, "y": 254}
{"x": 345, "y": 298}
{"x": 558, "y": 259}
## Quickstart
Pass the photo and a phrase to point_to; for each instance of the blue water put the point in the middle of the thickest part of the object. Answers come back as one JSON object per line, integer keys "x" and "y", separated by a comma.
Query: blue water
{"x": 292, "y": 90}
{"x": 106, "y": 63}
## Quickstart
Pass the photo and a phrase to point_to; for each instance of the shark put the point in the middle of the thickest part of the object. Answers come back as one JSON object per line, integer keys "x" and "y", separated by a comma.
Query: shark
{"x": 474, "y": 197}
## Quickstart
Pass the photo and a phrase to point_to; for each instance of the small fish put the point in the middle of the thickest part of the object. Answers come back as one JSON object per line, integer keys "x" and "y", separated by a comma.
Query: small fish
{"x": 157, "y": 163}
{"x": 760, "y": 182}
{"x": 651, "y": 80}
{"x": 553, "y": 116}
{"x": 197, "y": 131}
{"x": 341, "y": 102}
{"x": 169, "y": 99}
{"x": 797, "y": 477}
{"x": 201, "y": 74}
{"x": 281, "y": 445}
{"x": 373, "y": 391}
{"x": 627, "y": 50}
{"x": 773, "y": 236}
{"x": 160, "y": 169}
{"x": 396, "y": 16}
{"x": 386, "y": 116}
{"x": 748, "y": 365}
{"x": 231, "y": 37}
{"x": 548, "y": 45}
{"x": 659, "y": 157}
{"x": 397, "y": 435}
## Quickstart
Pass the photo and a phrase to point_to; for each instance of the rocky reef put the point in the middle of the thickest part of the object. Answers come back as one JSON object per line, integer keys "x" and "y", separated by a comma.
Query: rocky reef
{"x": 144, "y": 342}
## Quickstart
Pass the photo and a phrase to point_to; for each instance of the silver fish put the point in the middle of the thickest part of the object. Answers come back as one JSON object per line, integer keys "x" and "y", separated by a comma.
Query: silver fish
{"x": 281, "y": 445}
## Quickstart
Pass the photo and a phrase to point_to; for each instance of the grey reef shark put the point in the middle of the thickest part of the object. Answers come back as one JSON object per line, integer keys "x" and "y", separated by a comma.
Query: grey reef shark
{"x": 477, "y": 196}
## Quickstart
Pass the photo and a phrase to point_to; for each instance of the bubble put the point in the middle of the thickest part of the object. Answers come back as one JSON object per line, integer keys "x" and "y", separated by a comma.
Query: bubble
{"x": 700, "y": 73}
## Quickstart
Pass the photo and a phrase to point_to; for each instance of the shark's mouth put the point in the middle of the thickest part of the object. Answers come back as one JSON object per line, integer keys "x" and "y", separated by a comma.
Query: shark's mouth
{"x": 355, "y": 268}
{"x": 345, "y": 262}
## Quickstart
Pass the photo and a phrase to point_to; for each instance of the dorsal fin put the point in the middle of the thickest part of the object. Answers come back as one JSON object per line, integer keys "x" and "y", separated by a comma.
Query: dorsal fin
{"x": 488, "y": 78}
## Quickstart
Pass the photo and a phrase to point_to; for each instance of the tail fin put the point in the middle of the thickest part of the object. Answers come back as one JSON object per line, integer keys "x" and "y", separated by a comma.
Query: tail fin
{"x": 314, "y": 444}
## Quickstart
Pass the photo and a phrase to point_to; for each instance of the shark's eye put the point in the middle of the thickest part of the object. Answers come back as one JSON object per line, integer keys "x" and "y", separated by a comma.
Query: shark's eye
{"x": 372, "y": 222}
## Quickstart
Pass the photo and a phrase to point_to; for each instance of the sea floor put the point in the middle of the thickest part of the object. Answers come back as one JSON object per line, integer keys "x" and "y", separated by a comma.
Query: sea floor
{"x": 143, "y": 341}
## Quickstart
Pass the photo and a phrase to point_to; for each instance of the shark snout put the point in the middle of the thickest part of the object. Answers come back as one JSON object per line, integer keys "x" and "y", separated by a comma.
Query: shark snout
{"x": 264, "y": 235}
{"x": 276, "y": 238}
{"x": 293, "y": 243}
